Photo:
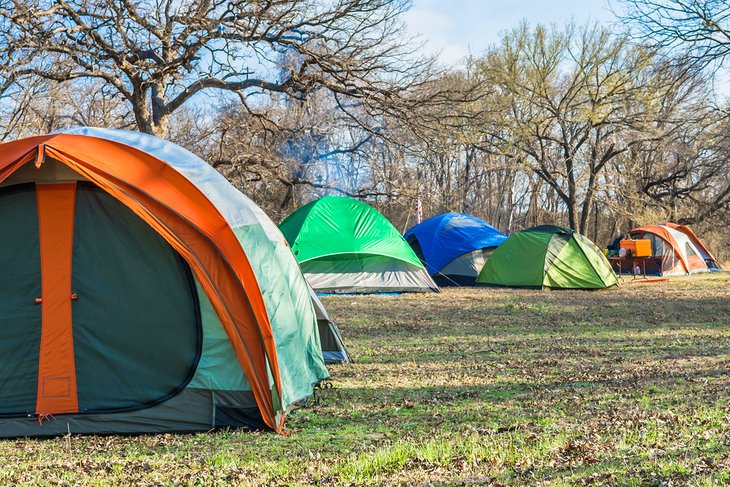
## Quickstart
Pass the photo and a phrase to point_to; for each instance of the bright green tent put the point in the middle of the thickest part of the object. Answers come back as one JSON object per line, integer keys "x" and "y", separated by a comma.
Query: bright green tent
{"x": 344, "y": 245}
{"x": 548, "y": 256}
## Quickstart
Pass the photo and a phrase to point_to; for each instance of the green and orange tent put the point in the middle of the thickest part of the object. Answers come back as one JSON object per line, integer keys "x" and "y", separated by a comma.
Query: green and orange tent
{"x": 141, "y": 292}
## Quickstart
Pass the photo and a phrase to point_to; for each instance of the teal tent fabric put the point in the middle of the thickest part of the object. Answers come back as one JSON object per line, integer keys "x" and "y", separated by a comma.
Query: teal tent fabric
{"x": 20, "y": 284}
{"x": 128, "y": 278}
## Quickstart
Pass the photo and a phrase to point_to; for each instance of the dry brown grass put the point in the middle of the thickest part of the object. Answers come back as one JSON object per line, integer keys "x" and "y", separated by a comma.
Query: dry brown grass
{"x": 629, "y": 386}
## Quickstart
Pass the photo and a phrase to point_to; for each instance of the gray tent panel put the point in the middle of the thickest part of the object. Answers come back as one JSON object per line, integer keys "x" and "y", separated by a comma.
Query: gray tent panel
{"x": 333, "y": 348}
{"x": 463, "y": 270}
{"x": 366, "y": 275}
{"x": 190, "y": 410}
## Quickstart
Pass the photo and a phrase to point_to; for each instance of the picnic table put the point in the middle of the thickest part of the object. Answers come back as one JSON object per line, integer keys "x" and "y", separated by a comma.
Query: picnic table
{"x": 619, "y": 261}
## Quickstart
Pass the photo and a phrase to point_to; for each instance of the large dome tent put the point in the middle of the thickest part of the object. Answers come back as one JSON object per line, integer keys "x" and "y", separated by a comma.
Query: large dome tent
{"x": 344, "y": 245}
{"x": 207, "y": 321}
{"x": 454, "y": 246}
{"x": 548, "y": 256}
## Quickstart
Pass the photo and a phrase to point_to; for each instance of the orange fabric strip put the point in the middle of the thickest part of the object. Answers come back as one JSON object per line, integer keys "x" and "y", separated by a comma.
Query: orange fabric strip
{"x": 56, "y": 366}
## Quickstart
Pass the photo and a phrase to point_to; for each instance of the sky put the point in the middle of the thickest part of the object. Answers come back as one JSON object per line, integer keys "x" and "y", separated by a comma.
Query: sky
{"x": 456, "y": 28}
{"x": 453, "y": 29}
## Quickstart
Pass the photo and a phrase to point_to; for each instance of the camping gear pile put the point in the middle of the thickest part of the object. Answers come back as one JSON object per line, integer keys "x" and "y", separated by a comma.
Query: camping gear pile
{"x": 141, "y": 292}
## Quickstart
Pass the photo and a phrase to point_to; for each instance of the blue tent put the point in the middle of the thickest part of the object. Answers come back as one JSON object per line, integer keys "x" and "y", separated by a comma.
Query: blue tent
{"x": 454, "y": 246}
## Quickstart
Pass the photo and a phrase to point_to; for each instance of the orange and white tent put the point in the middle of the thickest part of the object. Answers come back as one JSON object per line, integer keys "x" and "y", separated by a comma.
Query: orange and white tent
{"x": 141, "y": 292}
{"x": 676, "y": 249}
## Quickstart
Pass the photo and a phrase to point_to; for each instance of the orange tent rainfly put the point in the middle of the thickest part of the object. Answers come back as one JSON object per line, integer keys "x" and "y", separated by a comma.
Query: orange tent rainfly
{"x": 148, "y": 286}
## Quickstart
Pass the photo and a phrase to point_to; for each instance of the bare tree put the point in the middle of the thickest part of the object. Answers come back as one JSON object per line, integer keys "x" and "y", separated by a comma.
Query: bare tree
{"x": 17, "y": 105}
{"x": 39, "y": 106}
{"x": 300, "y": 150}
{"x": 701, "y": 28}
{"x": 689, "y": 175}
{"x": 158, "y": 55}
{"x": 570, "y": 101}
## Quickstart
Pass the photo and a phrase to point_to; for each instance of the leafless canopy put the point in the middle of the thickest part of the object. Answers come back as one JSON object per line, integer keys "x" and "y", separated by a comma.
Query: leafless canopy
{"x": 160, "y": 54}
{"x": 699, "y": 27}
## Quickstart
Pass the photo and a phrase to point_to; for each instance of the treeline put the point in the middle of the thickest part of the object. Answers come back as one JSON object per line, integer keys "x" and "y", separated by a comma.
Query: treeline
{"x": 575, "y": 125}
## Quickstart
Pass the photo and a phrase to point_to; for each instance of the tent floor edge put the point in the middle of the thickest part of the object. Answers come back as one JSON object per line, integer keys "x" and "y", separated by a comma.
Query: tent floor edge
{"x": 193, "y": 410}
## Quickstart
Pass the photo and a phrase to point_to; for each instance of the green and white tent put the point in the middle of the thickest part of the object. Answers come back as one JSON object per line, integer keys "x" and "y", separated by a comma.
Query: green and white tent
{"x": 346, "y": 246}
{"x": 548, "y": 256}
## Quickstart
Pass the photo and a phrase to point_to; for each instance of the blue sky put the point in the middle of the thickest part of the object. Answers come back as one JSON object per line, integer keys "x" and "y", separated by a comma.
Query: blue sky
{"x": 456, "y": 27}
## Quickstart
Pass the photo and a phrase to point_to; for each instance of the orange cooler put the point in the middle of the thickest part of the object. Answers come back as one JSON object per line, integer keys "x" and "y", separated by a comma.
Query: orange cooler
{"x": 643, "y": 248}
{"x": 638, "y": 248}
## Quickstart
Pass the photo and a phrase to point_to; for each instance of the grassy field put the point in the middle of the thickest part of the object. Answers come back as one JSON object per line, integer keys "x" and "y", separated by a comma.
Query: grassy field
{"x": 470, "y": 387}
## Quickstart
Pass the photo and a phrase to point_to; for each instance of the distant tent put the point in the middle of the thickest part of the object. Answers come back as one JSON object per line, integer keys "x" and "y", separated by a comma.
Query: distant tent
{"x": 345, "y": 246}
{"x": 333, "y": 348}
{"x": 548, "y": 256}
{"x": 712, "y": 263}
{"x": 454, "y": 246}
{"x": 677, "y": 250}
